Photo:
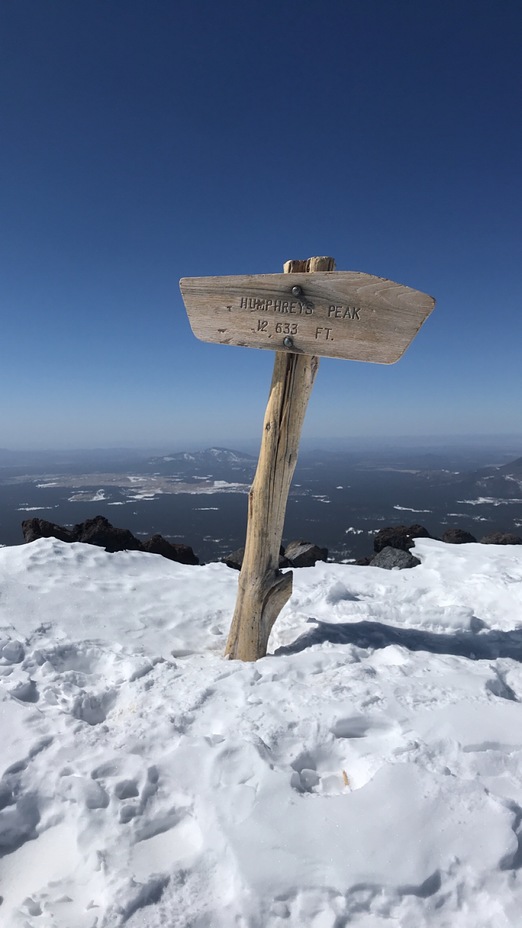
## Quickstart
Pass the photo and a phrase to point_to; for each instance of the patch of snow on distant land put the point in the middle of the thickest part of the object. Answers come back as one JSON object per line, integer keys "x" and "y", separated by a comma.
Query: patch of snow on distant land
{"x": 143, "y": 495}
{"x": 489, "y": 501}
{"x": 219, "y": 486}
{"x": 408, "y": 509}
{"x": 87, "y": 496}
{"x": 224, "y": 485}
{"x": 367, "y": 773}
{"x": 33, "y": 508}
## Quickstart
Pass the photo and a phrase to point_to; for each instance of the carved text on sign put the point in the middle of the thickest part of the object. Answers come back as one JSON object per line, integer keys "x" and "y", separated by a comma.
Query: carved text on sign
{"x": 338, "y": 314}
{"x": 293, "y": 307}
{"x": 345, "y": 312}
{"x": 271, "y": 329}
{"x": 296, "y": 308}
{"x": 280, "y": 328}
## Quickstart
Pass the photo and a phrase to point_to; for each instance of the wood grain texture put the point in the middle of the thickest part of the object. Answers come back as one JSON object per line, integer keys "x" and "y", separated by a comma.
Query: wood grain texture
{"x": 263, "y": 590}
{"x": 344, "y": 314}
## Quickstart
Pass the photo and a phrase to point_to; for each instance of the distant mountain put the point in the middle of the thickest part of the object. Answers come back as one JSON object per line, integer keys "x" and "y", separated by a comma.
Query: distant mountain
{"x": 209, "y": 456}
{"x": 513, "y": 469}
{"x": 220, "y": 463}
{"x": 504, "y": 481}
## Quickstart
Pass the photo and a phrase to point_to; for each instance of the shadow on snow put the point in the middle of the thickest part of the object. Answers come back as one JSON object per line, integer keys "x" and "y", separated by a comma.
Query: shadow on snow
{"x": 477, "y": 644}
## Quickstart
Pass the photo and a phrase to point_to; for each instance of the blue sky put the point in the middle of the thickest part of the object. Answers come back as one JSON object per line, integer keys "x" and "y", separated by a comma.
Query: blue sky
{"x": 147, "y": 141}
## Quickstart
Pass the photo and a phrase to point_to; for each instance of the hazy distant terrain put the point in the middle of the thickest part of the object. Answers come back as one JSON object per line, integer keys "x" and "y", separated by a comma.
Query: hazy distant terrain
{"x": 339, "y": 499}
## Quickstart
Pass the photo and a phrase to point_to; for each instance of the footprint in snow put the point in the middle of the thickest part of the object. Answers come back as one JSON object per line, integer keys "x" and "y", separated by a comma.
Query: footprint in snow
{"x": 93, "y": 708}
{"x": 361, "y": 744}
{"x": 11, "y": 651}
{"x": 25, "y": 691}
{"x": 131, "y": 793}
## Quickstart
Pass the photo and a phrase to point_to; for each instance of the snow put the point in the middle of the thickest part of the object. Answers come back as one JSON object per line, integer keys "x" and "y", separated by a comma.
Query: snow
{"x": 33, "y": 508}
{"x": 366, "y": 773}
{"x": 85, "y": 496}
{"x": 409, "y": 509}
{"x": 489, "y": 501}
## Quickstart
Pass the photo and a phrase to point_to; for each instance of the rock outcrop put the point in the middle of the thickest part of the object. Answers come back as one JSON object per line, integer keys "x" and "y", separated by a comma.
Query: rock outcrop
{"x": 296, "y": 554}
{"x": 396, "y": 540}
{"x": 183, "y": 554}
{"x": 40, "y": 528}
{"x": 235, "y": 559}
{"x": 100, "y": 532}
{"x": 394, "y": 559}
{"x": 304, "y": 554}
{"x": 399, "y": 536}
{"x": 501, "y": 538}
{"x": 458, "y": 536}
{"x": 392, "y": 547}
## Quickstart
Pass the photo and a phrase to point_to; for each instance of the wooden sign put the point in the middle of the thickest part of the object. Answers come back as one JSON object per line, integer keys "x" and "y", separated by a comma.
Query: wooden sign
{"x": 309, "y": 310}
{"x": 335, "y": 314}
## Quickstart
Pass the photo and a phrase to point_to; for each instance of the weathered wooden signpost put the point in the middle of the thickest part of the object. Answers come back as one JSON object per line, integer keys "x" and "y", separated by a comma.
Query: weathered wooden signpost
{"x": 318, "y": 311}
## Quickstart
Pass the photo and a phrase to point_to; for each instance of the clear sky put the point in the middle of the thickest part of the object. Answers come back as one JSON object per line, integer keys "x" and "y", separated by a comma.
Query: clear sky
{"x": 147, "y": 140}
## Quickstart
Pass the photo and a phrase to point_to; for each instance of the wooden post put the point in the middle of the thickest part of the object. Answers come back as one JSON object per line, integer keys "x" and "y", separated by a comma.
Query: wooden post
{"x": 263, "y": 589}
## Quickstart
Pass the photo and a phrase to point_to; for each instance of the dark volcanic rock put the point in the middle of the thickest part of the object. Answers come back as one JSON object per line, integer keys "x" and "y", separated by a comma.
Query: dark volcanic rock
{"x": 183, "y": 554}
{"x": 99, "y": 531}
{"x": 501, "y": 538}
{"x": 40, "y": 528}
{"x": 304, "y": 554}
{"x": 235, "y": 559}
{"x": 394, "y": 559}
{"x": 458, "y": 536}
{"x": 399, "y": 536}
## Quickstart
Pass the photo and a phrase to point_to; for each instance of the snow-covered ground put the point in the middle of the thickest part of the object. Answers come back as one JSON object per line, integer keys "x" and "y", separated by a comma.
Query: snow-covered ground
{"x": 367, "y": 773}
